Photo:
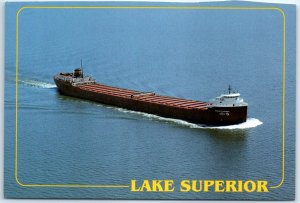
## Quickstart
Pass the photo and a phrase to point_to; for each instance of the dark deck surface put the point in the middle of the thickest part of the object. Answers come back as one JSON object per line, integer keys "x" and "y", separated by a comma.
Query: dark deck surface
{"x": 145, "y": 96}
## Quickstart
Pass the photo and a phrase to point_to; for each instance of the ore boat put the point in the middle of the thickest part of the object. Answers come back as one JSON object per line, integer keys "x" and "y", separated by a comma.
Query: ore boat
{"x": 227, "y": 109}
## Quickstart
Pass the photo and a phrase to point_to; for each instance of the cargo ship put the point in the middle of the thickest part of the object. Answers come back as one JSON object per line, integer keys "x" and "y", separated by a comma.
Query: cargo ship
{"x": 227, "y": 109}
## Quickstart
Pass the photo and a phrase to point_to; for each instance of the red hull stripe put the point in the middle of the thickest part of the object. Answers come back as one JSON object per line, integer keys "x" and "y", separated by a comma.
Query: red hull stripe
{"x": 185, "y": 102}
{"x": 169, "y": 98}
{"x": 115, "y": 88}
{"x": 172, "y": 101}
{"x": 143, "y": 97}
{"x": 107, "y": 92}
{"x": 180, "y": 100}
{"x": 188, "y": 101}
{"x": 155, "y": 99}
{"x": 98, "y": 86}
{"x": 195, "y": 105}
{"x": 187, "y": 106}
{"x": 181, "y": 106}
{"x": 104, "y": 90}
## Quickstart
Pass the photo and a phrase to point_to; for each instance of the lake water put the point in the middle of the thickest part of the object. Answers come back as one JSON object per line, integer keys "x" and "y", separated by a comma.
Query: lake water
{"x": 193, "y": 54}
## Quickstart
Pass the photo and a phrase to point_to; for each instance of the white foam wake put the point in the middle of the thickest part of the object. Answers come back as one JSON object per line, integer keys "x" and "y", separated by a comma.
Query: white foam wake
{"x": 250, "y": 122}
{"x": 39, "y": 84}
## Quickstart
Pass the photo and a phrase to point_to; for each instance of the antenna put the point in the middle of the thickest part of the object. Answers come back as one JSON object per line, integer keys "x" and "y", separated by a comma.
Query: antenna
{"x": 81, "y": 68}
{"x": 229, "y": 89}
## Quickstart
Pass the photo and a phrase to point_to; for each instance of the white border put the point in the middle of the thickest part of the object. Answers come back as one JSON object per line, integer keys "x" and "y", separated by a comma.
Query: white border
{"x": 2, "y": 34}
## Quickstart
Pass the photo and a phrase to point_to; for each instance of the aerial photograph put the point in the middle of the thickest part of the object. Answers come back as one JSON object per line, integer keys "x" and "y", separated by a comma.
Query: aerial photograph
{"x": 161, "y": 101}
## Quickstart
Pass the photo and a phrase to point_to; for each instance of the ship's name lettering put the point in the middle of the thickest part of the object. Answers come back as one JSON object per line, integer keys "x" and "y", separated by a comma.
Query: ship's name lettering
{"x": 233, "y": 186}
{"x": 221, "y": 111}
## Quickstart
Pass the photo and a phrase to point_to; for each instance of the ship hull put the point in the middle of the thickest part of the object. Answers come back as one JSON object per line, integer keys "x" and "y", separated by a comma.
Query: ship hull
{"x": 214, "y": 116}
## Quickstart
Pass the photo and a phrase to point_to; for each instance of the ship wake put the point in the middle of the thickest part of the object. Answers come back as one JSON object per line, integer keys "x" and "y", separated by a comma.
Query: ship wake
{"x": 250, "y": 122}
{"x": 39, "y": 84}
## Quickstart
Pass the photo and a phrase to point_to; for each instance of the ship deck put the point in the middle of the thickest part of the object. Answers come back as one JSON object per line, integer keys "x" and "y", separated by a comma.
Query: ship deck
{"x": 145, "y": 96}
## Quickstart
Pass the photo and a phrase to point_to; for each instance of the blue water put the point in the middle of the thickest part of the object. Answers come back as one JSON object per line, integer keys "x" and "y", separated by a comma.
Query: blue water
{"x": 192, "y": 54}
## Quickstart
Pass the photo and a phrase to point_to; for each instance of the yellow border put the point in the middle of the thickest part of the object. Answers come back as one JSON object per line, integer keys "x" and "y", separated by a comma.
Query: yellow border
{"x": 146, "y": 7}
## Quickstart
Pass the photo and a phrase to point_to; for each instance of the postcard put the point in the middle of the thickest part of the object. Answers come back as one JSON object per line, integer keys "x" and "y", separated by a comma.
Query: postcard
{"x": 140, "y": 100}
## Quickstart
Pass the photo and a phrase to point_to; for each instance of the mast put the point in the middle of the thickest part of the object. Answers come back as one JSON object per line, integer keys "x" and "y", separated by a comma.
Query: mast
{"x": 229, "y": 89}
{"x": 81, "y": 68}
